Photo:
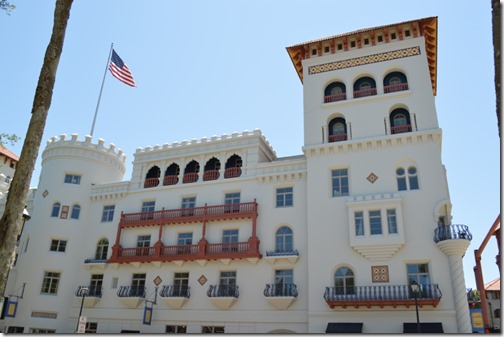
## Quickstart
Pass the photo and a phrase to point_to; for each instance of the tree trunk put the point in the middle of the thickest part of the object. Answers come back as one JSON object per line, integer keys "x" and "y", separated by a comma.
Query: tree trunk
{"x": 11, "y": 221}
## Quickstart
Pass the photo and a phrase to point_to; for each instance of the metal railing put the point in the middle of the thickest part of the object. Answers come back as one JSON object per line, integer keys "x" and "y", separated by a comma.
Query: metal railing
{"x": 335, "y": 97}
{"x": 176, "y": 291}
{"x": 92, "y": 291}
{"x": 131, "y": 291}
{"x": 380, "y": 293}
{"x": 281, "y": 290}
{"x": 395, "y": 87}
{"x": 282, "y": 252}
{"x": 450, "y": 232}
{"x": 93, "y": 260}
{"x": 223, "y": 290}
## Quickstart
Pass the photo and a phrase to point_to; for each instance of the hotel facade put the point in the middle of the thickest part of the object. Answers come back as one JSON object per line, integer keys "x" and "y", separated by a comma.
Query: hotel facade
{"x": 220, "y": 235}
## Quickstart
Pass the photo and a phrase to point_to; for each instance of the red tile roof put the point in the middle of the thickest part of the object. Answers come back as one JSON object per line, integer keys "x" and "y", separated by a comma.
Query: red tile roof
{"x": 493, "y": 285}
{"x": 8, "y": 154}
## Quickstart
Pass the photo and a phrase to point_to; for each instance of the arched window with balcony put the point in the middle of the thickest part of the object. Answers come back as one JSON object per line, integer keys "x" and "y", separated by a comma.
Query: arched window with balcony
{"x": 152, "y": 177}
{"x": 335, "y": 91}
{"x": 364, "y": 86}
{"x": 191, "y": 172}
{"x": 395, "y": 81}
{"x": 211, "y": 170}
{"x": 102, "y": 249}
{"x": 344, "y": 281}
{"x": 75, "y": 212}
{"x": 233, "y": 167}
{"x": 171, "y": 175}
{"x": 284, "y": 240}
{"x": 55, "y": 210}
{"x": 400, "y": 121}
{"x": 337, "y": 130}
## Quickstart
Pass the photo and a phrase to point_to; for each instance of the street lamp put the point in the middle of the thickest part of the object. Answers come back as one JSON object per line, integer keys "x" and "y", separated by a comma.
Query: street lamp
{"x": 415, "y": 289}
{"x": 26, "y": 217}
{"x": 84, "y": 291}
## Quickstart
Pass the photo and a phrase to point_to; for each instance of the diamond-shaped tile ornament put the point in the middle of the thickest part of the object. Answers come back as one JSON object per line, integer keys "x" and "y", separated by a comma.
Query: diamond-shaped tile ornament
{"x": 45, "y": 194}
{"x": 157, "y": 281}
{"x": 372, "y": 178}
{"x": 202, "y": 279}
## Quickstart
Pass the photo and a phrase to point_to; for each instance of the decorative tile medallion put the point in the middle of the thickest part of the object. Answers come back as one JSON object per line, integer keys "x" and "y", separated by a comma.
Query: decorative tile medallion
{"x": 359, "y": 61}
{"x": 379, "y": 273}
{"x": 202, "y": 279}
{"x": 372, "y": 178}
{"x": 45, "y": 194}
{"x": 157, "y": 281}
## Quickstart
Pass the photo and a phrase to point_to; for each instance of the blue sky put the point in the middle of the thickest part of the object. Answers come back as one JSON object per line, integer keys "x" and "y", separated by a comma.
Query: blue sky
{"x": 207, "y": 68}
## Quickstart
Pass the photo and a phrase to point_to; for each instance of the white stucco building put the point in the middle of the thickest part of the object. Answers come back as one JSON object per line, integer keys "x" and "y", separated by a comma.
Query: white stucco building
{"x": 224, "y": 236}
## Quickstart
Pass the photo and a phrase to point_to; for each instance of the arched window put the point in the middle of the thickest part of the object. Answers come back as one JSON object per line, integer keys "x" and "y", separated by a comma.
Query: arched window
{"x": 407, "y": 181}
{"x": 364, "y": 86}
{"x": 152, "y": 177}
{"x": 191, "y": 172}
{"x": 344, "y": 281}
{"x": 75, "y": 212}
{"x": 395, "y": 81}
{"x": 335, "y": 91}
{"x": 55, "y": 210}
{"x": 233, "y": 167}
{"x": 337, "y": 130}
{"x": 284, "y": 240}
{"x": 171, "y": 175}
{"x": 212, "y": 168}
{"x": 102, "y": 249}
{"x": 400, "y": 121}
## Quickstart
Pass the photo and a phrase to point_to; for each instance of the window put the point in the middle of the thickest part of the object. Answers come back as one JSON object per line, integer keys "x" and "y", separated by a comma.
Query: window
{"x": 334, "y": 91}
{"x": 176, "y": 329}
{"x": 337, "y": 130}
{"x": 64, "y": 212}
{"x": 232, "y": 199}
{"x": 339, "y": 182}
{"x": 411, "y": 182}
{"x": 188, "y": 203}
{"x": 180, "y": 284}
{"x": 366, "y": 41}
{"x": 184, "y": 239}
{"x": 283, "y": 282}
{"x": 102, "y": 249}
{"x": 143, "y": 241}
{"x": 72, "y": 179}
{"x": 75, "y": 212}
{"x": 380, "y": 38}
{"x": 314, "y": 51}
{"x": 7, "y": 179}
{"x": 42, "y": 331}
{"x": 227, "y": 278}
{"x": 284, "y": 240}
{"x": 58, "y": 246}
{"x": 375, "y": 223}
{"x": 50, "y": 283}
{"x": 148, "y": 206}
{"x": 284, "y": 197}
{"x": 393, "y": 36}
{"x": 15, "y": 329}
{"x": 212, "y": 329}
{"x": 108, "y": 213}
{"x": 230, "y": 235}
{"x": 138, "y": 285}
{"x": 418, "y": 273}
{"x": 407, "y": 33}
{"x": 359, "y": 223}
{"x": 392, "y": 221}
{"x": 95, "y": 286}
{"x": 55, "y": 210}
{"x": 344, "y": 282}
{"x": 326, "y": 49}
{"x": 340, "y": 46}
{"x": 352, "y": 44}
{"x": 91, "y": 327}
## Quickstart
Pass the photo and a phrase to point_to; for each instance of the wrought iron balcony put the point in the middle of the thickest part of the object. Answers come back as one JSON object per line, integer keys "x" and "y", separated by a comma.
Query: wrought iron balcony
{"x": 93, "y": 260}
{"x": 281, "y": 290}
{"x": 282, "y": 252}
{"x": 176, "y": 291}
{"x": 452, "y": 232}
{"x": 389, "y": 295}
{"x": 92, "y": 291}
{"x": 131, "y": 291}
{"x": 223, "y": 290}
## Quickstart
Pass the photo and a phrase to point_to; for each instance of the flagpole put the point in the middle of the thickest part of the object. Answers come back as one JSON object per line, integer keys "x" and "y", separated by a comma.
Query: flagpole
{"x": 101, "y": 89}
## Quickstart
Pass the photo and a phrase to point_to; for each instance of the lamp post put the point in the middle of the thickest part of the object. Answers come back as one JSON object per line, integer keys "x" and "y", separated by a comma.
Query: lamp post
{"x": 26, "y": 217}
{"x": 84, "y": 291}
{"x": 415, "y": 289}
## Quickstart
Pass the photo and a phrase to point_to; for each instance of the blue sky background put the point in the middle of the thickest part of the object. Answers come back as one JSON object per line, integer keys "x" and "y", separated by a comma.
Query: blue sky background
{"x": 207, "y": 68}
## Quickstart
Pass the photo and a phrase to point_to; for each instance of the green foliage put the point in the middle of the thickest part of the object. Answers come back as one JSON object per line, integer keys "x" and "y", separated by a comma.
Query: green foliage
{"x": 6, "y": 6}
{"x": 8, "y": 138}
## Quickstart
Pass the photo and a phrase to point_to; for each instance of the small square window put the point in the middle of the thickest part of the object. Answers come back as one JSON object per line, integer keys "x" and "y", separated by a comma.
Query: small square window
{"x": 366, "y": 41}
{"x": 326, "y": 49}
{"x": 407, "y": 33}
{"x": 72, "y": 179}
{"x": 58, "y": 246}
{"x": 380, "y": 38}
{"x": 352, "y": 44}
{"x": 340, "y": 46}
{"x": 393, "y": 36}
{"x": 314, "y": 51}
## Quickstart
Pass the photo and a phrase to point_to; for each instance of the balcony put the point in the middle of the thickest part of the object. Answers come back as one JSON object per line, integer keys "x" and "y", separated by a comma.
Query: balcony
{"x": 281, "y": 296}
{"x": 95, "y": 263}
{"x": 175, "y": 295}
{"x": 452, "y": 232}
{"x": 170, "y": 180}
{"x": 337, "y": 138}
{"x": 93, "y": 295}
{"x": 131, "y": 296}
{"x": 151, "y": 182}
{"x": 232, "y": 172}
{"x": 223, "y": 296}
{"x": 336, "y": 97}
{"x": 381, "y": 296}
{"x": 211, "y": 175}
{"x": 273, "y": 255}
{"x": 400, "y": 129}
{"x": 364, "y": 92}
{"x": 395, "y": 87}
{"x": 190, "y": 178}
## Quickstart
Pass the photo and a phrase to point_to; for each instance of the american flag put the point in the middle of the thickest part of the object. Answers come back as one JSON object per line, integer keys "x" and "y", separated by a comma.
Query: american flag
{"x": 120, "y": 70}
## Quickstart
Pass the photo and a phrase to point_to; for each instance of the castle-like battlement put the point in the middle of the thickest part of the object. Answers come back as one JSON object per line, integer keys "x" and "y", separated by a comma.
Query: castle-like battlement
{"x": 209, "y": 141}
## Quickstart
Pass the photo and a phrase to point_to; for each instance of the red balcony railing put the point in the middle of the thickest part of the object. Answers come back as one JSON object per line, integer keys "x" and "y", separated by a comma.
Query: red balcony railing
{"x": 337, "y": 138}
{"x": 232, "y": 172}
{"x": 190, "y": 178}
{"x": 334, "y": 98}
{"x": 151, "y": 182}
{"x": 400, "y": 129}
{"x": 211, "y": 175}
{"x": 395, "y": 87}
{"x": 365, "y": 92}
{"x": 170, "y": 180}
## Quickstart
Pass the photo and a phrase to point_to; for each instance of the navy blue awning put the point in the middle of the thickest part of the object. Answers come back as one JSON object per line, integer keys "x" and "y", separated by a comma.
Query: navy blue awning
{"x": 344, "y": 328}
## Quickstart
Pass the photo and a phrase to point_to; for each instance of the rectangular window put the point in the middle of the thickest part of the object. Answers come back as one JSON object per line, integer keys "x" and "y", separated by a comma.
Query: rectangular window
{"x": 380, "y": 38}
{"x": 58, "y": 246}
{"x": 212, "y": 329}
{"x": 143, "y": 241}
{"x": 42, "y": 331}
{"x": 227, "y": 278}
{"x": 366, "y": 41}
{"x": 50, "y": 283}
{"x": 188, "y": 205}
{"x": 91, "y": 327}
{"x": 392, "y": 221}
{"x": 284, "y": 280}
{"x": 108, "y": 213}
{"x": 176, "y": 329}
{"x": 95, "y": 286}
{"x": 339, "y": 182}
{"x": 418, "y": 273}
{"x": 375, "y": 223}
{"x": 64, "y": 212}
{"x": 233, "y": 200}
{"x": 340, "y": 46}
{"x": 72, "y": 179}
{"x": 359, "y": 223}
{"x": 229, "y": 240}
{"x": 180, "y": 284}
{"x": 184, "y": 239}
{"x": 138, "y": 285}
{"x": 284, "y": 197}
